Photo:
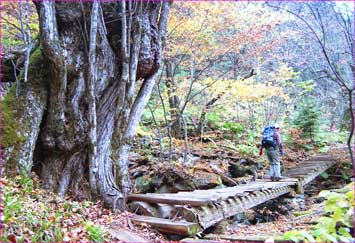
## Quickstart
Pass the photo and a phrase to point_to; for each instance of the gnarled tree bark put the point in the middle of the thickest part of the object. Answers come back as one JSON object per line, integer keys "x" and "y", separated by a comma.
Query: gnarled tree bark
{"x": 91, "y": 113}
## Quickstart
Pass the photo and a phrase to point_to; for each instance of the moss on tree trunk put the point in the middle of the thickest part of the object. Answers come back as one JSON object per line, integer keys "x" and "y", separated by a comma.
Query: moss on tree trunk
{"x": 21, "y": 118}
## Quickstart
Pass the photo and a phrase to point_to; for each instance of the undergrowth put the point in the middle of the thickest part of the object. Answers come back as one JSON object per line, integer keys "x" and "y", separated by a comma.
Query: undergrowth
{"x": 31, "y": 214}
{"x": 337, "y": 225}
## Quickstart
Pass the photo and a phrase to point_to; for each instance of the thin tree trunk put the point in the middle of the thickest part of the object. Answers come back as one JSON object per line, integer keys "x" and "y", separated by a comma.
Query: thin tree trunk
{"x": 92, "y": 153}
{"x": 174, "y": 110}
{"x": 123, "y": 175}
{"x": 159, "y": 134}
{"x": 350, "y": 92}
{"x": 138, "y": 108}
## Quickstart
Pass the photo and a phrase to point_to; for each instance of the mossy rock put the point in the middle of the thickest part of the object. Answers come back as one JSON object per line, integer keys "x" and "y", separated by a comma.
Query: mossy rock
{"x": 206, "y": 180}
{"x": 143, "y": 184}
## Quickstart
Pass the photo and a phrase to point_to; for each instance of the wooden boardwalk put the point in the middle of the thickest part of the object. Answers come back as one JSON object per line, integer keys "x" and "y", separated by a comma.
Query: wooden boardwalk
{"x": 194, "y": 211}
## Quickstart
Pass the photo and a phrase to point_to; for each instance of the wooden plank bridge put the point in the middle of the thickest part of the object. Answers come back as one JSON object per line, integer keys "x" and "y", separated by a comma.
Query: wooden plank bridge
{"x": 192, "y": 212}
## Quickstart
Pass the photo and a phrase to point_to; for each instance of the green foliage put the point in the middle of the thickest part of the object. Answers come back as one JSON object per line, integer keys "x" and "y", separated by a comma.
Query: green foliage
{"x": 147, "y": 117}
{"x": 11, "y": 42}
{"x": 143, "y": 131}
{"x": 325, "y": 175}
{"x": 307, "y": 118}
{"x": 233, "y": 128}
{"x": 247, "y": 149}
{"x": 213, "y": 120}
{"x": 326, "y": 136}
{"x": 337, "y": 225}
{"x": 95, "y": 233}
{"x": 11, "y": 24}
{"x": 31, "y": 214}
{"x": 37, "y": 218}
{"x": 307, "y": 86}
{"x": 252, "y": 135}
{"x": 347, "y": 170}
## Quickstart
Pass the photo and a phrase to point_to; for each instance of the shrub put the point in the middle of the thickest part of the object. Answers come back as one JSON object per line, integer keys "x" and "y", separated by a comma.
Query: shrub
{"x": 233, "y": 128}
{"x": 247, "y": 149}
{"x": 307, "y": 118}
{"x": 338, "y": 225}
{"x": 95, "y": 233}
{"x": 213, "y": 120}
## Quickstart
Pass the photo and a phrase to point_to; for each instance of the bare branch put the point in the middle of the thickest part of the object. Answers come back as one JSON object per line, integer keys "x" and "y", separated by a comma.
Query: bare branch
{"x": 340, "y": 80}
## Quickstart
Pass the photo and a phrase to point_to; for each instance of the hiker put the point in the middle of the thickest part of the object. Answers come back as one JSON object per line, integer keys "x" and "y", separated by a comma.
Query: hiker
{"x": 272, "y": 143}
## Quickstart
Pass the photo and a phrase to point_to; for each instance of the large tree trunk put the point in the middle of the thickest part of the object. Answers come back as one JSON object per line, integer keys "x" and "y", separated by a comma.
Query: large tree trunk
{"x": 95, "y": 53}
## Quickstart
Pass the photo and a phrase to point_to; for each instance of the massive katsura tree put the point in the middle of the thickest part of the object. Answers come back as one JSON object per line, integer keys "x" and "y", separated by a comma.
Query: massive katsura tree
{"x": 98, "y": 67}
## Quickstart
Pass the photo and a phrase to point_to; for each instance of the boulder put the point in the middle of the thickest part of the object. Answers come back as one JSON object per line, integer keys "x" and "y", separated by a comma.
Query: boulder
{"x": 163, "y": 189}
{"x": 143, "y": 184}
{"x": 182, "y": 186}
{"x": 206, "y": 180}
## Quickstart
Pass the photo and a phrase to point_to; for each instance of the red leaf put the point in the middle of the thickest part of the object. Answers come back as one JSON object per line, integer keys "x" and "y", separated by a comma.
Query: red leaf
{"x": 12, "y": 238}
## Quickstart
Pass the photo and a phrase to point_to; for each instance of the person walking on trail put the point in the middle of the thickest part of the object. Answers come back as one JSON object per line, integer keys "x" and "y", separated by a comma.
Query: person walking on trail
{"x": 272, "y": 143}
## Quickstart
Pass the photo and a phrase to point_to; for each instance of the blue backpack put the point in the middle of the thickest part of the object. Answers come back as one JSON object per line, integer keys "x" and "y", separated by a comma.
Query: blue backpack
{"x": 268, "y": 137}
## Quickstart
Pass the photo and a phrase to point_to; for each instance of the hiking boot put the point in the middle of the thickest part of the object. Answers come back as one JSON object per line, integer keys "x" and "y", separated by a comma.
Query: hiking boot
{"x": 277, "y": 178}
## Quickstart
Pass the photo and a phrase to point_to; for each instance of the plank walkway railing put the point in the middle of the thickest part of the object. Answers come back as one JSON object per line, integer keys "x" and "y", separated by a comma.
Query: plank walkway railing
{"x": 197, "y": 210}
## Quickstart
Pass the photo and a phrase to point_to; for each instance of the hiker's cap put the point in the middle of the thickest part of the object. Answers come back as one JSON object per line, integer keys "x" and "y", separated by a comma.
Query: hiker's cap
{"x": 276, "y": 125}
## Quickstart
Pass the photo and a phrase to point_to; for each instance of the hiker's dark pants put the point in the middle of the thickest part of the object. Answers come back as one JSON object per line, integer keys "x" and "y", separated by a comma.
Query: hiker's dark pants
{"x": 273, "y": 157}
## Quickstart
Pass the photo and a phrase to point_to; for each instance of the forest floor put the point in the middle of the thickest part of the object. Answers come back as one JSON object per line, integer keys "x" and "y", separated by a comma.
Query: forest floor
{"x": 33, "y": 214}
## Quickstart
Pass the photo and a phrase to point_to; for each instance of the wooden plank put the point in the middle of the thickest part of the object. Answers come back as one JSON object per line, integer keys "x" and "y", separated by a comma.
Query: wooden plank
{"x": 283, "y": 181}
{"x": 203, "y": 194}
{"x": 244, "y": 238}
{"x": 187, "y": 240}
{"x": 125, "y": 236}
{"x": 297, "y": 176}
{"x": 199, "y": 194}
{"x": 311, "y": 176}
{"x": 308, "y": 169}
{"x": 310, "y": 163}
{"x": 318, "y": 171}
{"x": 297, "y": 173}
{"x": 210, "y": 215}
{"x": 208, "y": 207}
{"x": 241, "y": 190}
{"x": 220, "y": 195}
{"x": 170, "y": 199}
{"x": 169, "y": 226}
{"x": 321, "y": 158}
